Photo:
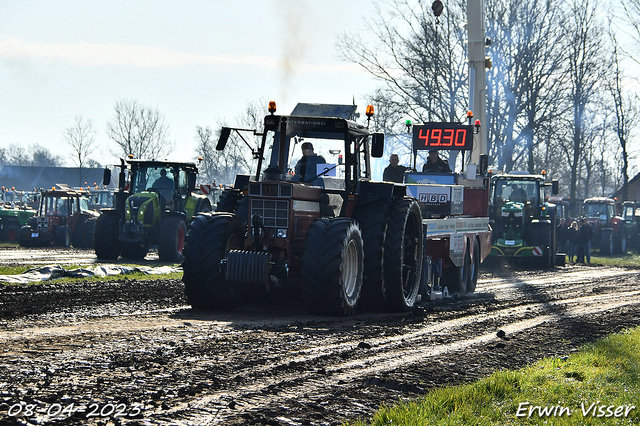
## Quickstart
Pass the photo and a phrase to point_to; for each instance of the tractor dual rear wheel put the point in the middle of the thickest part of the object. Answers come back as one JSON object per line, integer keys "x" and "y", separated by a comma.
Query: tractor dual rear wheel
{"x": 373, "y": 218}
{"x": 332, "y": 266}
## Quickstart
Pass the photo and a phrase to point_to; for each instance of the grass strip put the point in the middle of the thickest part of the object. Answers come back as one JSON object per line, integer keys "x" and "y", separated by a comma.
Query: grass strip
{"x": 599, "y": 385}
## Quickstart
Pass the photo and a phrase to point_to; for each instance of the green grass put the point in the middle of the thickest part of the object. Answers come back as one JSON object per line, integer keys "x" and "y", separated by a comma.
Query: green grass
{"x": 631, "y": 258}
{"x": 606, "y": 373}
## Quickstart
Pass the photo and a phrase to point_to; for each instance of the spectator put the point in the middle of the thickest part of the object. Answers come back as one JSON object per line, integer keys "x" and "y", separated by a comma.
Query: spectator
{"x": 435, "y": 164}
{"x": 585, "y": 234}
{"x": 394, "y": 172}
{"x": 572, "y": 241}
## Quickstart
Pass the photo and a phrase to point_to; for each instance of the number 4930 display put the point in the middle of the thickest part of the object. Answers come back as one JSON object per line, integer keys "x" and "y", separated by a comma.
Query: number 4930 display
{"x": 445, "y": 136}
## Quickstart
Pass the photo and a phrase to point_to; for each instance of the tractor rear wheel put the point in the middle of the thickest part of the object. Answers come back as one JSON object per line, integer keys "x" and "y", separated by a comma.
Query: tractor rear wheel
{"x": 107, "y": 241}
{"x": 606, "y": 242}
{"x": 209, "y": 240}
{"x": 457, "y": 277}
{"x": 373, "y": 218}
{"x": 12, "y": 233}
{"x": 88, "y": 232}
{"x": 332, "y": 266}
{"x": 171, "y": 237}
{"x": 63, "y": 236}
{"x": 472, "y": 280}
{"x": 25, "y": 236}
{"x": 78, "y": 233}
{"x": 403, "y": 255}
{"x": 620, "y": 240}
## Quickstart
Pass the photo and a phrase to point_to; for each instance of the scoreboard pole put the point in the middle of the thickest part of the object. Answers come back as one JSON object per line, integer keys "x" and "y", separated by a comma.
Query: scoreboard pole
{"x": 477, "y": 75}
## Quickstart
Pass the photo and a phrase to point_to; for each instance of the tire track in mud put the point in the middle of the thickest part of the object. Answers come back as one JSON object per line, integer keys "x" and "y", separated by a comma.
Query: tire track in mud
{"x": 386, "y": 354}
{"x": 260, "y": 360}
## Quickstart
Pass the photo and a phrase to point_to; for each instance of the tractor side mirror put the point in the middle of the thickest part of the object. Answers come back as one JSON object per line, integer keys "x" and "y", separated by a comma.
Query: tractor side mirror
{"x": 377, "y": 145}
{"x": 555, "y": 187}
{"x": 106, "y": 176}
{"x": 484, "y": 164}
{"x": 224, "y": 137}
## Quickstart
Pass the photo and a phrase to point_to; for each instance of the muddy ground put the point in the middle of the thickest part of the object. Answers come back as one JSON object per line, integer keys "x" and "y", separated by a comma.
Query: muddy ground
{"x": 125, "y": 352}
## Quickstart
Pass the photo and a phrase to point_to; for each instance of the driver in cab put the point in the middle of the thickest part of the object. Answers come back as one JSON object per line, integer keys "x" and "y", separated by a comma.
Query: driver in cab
{"x": 306, "y": 168}
{"x": 164, "y": 185}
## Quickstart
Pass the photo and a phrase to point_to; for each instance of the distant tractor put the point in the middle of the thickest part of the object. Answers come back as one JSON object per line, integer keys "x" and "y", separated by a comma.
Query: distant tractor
{"x": 13, "y": 214}
{"x": 631, "y": 215}
{"x": 63, "y": 218}
{"x": 152, "y": 206}
{"x": 524, "y": 223}
{"x": 610, "y": 232}
{"x": 100, "y": 198}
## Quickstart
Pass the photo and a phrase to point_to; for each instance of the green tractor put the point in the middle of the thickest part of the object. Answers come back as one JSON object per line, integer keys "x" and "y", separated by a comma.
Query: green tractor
{"x": 523, "y": 221}
{"x": 14, "y": 214}
{"x": 152, "y": 206}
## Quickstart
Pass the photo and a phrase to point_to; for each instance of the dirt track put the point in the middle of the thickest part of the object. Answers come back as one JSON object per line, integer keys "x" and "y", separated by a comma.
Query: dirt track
{"x": 132, "y": 353}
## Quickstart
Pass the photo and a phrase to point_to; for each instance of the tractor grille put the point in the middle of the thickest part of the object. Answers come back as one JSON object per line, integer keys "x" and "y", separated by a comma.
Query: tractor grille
{"x": 274, "y": 214}
{"x": 43, "y": 223}
{"x": 134, "y": 206}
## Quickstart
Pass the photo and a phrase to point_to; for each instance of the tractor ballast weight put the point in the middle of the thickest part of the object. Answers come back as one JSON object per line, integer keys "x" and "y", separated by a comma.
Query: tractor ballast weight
{"x": 153, "y": 205}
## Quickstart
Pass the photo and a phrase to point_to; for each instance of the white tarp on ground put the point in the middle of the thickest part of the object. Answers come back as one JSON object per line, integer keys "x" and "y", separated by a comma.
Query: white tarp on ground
{"x": 51, "y": 272}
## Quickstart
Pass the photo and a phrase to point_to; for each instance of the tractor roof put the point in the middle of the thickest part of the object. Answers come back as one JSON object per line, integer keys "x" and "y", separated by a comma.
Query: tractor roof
{"x": 154, "y": 163}
{"x": 600, "y": 200}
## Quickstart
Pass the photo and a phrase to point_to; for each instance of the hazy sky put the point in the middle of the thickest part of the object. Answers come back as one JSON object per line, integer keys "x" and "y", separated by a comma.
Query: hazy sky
{"x": 194, "y": 60}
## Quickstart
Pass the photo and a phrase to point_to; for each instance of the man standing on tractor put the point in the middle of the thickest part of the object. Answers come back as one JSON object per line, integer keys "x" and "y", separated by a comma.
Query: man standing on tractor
{"x": 394, "y": 172}
{"x": 435, "y": 164}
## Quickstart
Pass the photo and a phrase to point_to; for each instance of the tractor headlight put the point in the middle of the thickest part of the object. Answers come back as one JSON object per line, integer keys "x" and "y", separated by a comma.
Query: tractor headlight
{"x": 518, "y": 214}
{"x": 505, "y": 214}
{"x": 281, "y": 233}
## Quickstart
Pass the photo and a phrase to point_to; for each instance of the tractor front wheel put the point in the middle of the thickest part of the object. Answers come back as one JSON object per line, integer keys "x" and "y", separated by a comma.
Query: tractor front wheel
{"x": 209, "y": 240}
{"x": 107, "y": 241}
{"x": 171, "y": 238}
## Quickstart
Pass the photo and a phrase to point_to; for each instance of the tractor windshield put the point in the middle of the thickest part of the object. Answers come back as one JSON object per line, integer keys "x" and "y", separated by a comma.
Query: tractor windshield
{"x": 518, "y": 190}
{"x": 320, "y": 158}
{"x": 598, "y": 211}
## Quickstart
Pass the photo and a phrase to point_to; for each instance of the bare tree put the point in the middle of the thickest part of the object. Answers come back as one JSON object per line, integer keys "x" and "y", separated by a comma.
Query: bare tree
{"x": 585, "y": 64}
{"x": 420, "y": 61}
{"x": 237, "y": 156}
{"x": 522, "y": 85}
{"x": 35, "y": 155}
{"x": 632, "y": 15}
{"x": 81, "y": 138}
{"x": 139, "y": 130}
{"x": 627, "y": 111}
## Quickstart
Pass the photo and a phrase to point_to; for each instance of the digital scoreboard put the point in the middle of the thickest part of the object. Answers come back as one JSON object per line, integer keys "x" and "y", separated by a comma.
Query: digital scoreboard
{"x": 443, "y": 136}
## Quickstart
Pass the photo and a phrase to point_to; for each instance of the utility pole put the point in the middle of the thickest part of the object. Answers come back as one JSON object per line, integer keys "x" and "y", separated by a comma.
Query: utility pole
{"x": 477, "y": 75}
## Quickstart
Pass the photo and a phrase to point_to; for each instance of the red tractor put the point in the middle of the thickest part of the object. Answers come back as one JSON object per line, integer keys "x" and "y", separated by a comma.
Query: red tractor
{"x": 63, "y": 218}
{"x": 610, "y": 233}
